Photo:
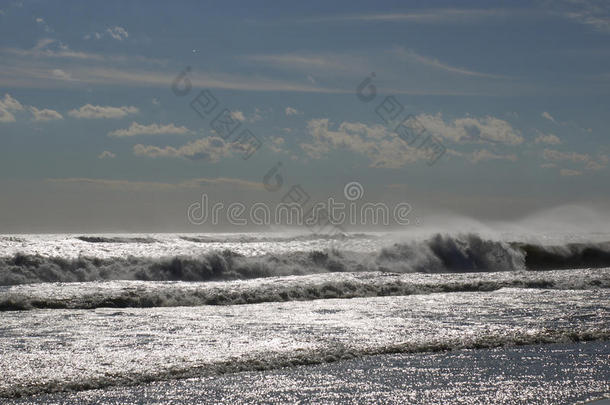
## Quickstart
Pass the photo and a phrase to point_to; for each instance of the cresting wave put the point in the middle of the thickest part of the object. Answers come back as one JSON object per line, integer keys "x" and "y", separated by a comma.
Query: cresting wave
{"x": 135, "y": 294}
{"x": 439, "y": 254}
{"x": 224, "y": 239}
{"x": 115, "y": 239}
{"x": 327, "y": 354}
{"x": 261, "y": 238}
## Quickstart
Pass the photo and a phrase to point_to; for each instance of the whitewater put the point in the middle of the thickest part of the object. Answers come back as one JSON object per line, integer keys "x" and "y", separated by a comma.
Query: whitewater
{"x": 89, "y": 318}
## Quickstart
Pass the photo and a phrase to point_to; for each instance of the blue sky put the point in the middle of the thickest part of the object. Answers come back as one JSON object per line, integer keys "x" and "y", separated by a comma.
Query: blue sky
{"x": 92, "y": 136}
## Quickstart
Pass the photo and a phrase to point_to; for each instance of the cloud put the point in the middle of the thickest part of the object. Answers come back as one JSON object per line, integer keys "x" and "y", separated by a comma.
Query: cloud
{"x": 238, "y": 115}
{"x": 549, "y": 139}
{"x": 469, "y": 129}
{"x": 40, "y": 21}
{"x": 117, "y": 33}
{"x": 222, "y": 181}
{"x": 574, "y": 157}
{"x": 585, "y": 160}
{"x": 25, "y": 75}
{"x": 159, "y": 186}
{"x": 52, "y": 48}
{"x": 426, "y": 16}
{"x": 303, "y": 61}
{"x": 485, "y": 155}
{"x": 569, "y": 172}
{"x": 8, "y": 105}
{"x": 210, "y": 149}
{"x": 98, "y": 111}
{"x": 106, "y": 155}
{"x": 292, "y": 111}
{"x": 382, "y": 148}
{"x": 6, "y": 116}
{"x": 61, "y": 74}
{"x": 548, "y": 116}
{"x": 152, "y": 129}
{"x": 45, "y": 114}
{"x": 435, "y": 63}
{"x": 277, "y": 144}
{"x": 593, "y": 13}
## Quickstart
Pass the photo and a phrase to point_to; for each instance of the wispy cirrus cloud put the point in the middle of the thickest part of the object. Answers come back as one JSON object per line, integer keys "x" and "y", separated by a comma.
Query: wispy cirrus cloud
{"x": 592, "y": 13}
{"x": 161, "y": 186}
{"x": 435, "y": 63}
{"x": 52, "y": 48}
{"x": 425, "y": 16}
{"x": 42, "y": 76}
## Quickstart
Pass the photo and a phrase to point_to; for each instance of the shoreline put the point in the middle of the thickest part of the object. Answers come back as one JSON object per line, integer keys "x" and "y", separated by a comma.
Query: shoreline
{"x": 550, "y": 373}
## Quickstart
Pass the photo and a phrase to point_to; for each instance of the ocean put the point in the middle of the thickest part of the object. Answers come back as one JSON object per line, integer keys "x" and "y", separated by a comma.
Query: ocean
{"x": 299, "y": 318}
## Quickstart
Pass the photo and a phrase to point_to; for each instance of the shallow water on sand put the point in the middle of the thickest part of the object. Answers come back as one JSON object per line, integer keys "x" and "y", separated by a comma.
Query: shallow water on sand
{"x": 538, "y": 374}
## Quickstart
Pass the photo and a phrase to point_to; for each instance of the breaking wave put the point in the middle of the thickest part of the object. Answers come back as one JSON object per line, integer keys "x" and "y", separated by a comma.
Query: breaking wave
{"x": 137, "y": 294}
{"x": 439, "y": 254}
{"x": 117, "y": 239}
{"x": 263, "y": 238}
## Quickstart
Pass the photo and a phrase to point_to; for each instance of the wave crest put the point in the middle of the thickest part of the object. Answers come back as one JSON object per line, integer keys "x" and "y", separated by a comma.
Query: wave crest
{"x": 439, "y": 254}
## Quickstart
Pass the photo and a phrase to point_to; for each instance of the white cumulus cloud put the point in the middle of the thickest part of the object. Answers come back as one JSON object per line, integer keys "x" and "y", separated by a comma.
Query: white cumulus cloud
{"x": 45, "y": 114}
{"x": 8, "y": 105}
{"x": 548, "y": 139}
{"x": 548, "y": 116}
{"x": 106, "y": 155}
{"x": 98, "y": 111}
{"x": 152, "y": 129}
{"x": 470, "y": 129}
{"x": 210, "y": 149}
{"x": 291, "y": 111}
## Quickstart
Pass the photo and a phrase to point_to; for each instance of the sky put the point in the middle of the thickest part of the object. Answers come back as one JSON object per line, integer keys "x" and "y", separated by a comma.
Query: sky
{"x": 103, "y": 126}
